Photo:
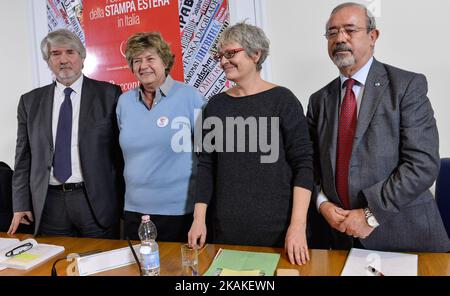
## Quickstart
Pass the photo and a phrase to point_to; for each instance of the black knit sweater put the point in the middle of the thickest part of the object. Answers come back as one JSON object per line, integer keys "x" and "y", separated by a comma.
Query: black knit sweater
{"x": 252, "y": 201}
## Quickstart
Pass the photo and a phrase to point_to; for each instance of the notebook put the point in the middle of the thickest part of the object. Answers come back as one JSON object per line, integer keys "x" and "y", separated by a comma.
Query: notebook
{"x": 243, "y": 263}
{"x": 35, "y": 255}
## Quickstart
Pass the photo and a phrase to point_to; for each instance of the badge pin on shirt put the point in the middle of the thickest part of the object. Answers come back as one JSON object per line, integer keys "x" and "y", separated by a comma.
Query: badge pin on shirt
{"x": 162, "y": 121}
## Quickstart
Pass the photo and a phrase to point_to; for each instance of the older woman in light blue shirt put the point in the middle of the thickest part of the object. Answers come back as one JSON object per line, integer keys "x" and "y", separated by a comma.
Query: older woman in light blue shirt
{"x": 154, "y": 120}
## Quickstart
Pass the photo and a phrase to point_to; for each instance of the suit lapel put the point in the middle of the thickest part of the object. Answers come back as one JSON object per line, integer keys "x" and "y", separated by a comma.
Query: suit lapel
{"x": 331, "y": 109}
{"x": 87, "y": 99}
{"x": 47, "y": 112}
{"x": 376, "y": 84}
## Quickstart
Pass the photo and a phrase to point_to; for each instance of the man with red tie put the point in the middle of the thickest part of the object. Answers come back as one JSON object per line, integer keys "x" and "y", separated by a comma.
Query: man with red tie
{"x": 376, "y": 147}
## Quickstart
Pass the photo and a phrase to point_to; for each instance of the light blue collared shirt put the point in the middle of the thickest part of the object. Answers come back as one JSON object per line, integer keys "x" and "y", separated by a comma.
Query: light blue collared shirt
{"x": 161, "y": 92}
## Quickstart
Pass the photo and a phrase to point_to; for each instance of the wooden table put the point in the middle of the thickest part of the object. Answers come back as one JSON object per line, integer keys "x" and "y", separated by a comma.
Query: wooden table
{"x": 322, "y": 263}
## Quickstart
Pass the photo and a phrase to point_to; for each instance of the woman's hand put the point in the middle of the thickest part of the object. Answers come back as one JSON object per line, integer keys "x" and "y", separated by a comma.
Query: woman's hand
{"x": 197, "y": 234}
{"x": 295, "y": 245}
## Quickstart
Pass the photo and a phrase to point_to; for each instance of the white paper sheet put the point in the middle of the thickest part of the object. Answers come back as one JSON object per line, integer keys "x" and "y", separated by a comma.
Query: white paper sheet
{"x": 389, "y": 263}
{"x": 5, "y": 245}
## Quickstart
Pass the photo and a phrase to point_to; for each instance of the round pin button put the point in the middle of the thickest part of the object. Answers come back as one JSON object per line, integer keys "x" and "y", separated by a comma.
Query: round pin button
{"x": 162, "y": 121}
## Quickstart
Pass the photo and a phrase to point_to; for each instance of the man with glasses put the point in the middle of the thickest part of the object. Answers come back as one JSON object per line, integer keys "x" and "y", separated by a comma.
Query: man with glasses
{"x": 376, "y": 147}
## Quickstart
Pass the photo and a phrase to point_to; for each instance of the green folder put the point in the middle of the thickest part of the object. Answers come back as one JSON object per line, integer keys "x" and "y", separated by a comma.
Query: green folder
{"x": 266, "y": 263}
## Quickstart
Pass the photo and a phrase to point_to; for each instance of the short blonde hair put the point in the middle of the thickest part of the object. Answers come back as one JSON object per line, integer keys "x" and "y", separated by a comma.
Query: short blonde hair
{"x": 140, "y": 42}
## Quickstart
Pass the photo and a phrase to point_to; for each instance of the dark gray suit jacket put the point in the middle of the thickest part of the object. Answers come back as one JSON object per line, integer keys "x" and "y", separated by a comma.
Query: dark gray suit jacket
{"x": 394, "y": 162}
{"x": 100, "y": 154}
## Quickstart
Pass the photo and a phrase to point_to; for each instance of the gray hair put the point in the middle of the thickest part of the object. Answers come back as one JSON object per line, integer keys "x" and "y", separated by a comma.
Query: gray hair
{"x": 252, "y": 38}
{"x": 370, "y": 19}
{"x": 62, "y": 37}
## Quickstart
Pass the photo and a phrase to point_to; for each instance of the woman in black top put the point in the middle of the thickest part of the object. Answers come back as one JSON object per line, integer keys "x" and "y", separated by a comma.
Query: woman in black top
{"x": 255, "y": 167}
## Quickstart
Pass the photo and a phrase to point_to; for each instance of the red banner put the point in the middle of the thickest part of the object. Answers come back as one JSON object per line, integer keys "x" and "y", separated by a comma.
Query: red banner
{"x": 108, "y": 22}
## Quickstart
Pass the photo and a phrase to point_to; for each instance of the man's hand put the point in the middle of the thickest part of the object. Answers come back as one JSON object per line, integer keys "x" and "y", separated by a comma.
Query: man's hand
{"x": 355, "y": 224}
{"x": 20, "y": 218}
{"x": 334, "y": 215}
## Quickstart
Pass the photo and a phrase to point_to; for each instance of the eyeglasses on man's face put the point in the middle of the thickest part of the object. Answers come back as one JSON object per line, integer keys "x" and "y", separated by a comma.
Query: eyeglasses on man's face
{"x": 19, "y": 250}
{"x": 348, "y": 30}
{"x": 228, "y": 54}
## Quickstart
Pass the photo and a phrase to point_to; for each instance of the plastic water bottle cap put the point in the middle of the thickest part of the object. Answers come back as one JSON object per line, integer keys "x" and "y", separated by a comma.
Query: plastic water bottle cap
{"x": 145, "y": 218}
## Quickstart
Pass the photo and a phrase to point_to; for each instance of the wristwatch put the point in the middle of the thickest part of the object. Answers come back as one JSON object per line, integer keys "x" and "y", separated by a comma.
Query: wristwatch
{"x": 370, "y": 218}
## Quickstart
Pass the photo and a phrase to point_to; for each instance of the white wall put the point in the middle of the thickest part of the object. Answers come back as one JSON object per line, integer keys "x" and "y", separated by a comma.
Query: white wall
{"x": 414, "y": 36}
{"x": 16, "y": 76}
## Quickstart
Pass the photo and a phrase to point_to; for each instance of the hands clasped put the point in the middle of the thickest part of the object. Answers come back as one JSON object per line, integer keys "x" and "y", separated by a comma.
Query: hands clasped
{"x": 351, "y": 222}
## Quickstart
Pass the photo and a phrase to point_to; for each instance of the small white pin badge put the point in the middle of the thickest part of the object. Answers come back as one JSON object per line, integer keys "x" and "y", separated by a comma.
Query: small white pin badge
{"x": 162, "y": 121}
{"x": 377, "y": 84}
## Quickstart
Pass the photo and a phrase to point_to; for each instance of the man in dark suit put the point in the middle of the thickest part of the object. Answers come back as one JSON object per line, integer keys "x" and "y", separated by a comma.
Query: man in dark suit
{"x": 376, "y": 146}
{"x": 68, "y": 165}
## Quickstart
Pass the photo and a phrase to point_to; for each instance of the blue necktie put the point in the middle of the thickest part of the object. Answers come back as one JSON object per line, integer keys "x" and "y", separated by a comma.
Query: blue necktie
{"x": 62, "y": 162}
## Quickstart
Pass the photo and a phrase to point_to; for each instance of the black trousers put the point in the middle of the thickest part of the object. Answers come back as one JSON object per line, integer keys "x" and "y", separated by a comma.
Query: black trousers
{"x": 169, "y": 228}
{"x": 70, "y": 214}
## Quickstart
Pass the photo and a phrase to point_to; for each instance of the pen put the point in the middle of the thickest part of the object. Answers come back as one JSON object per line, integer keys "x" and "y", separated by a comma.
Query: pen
{"x": 374, "y": 271}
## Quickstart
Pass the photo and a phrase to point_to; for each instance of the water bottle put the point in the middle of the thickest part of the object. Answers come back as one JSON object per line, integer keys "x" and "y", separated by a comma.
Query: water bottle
{"x": 148, "y": 251}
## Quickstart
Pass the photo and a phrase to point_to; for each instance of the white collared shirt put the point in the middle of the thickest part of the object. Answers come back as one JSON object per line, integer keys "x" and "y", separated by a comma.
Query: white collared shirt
{"x": 58, "y": 99}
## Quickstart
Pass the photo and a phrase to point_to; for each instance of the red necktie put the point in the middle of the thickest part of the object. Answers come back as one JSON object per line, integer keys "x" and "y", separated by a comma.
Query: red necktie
{"x": 346, "y": 134}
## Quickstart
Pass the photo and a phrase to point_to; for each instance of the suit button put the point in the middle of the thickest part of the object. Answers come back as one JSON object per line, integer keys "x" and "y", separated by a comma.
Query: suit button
{"x": 51, "y": 148}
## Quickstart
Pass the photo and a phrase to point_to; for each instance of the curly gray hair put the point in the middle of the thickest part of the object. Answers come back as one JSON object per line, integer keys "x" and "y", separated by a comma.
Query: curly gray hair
{"x": 62, "y": 37}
